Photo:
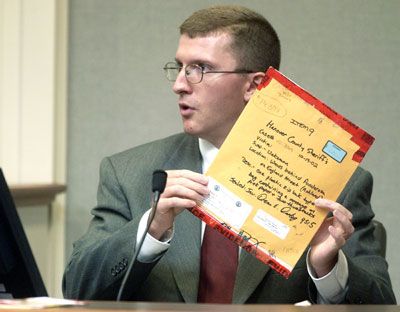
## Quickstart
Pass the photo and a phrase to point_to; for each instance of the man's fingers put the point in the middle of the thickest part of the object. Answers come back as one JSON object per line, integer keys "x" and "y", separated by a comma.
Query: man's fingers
{"x": 343, "y": 223}
{"x": 185, "y": 183}
{"x": 188, "y": 175}
{"x": 183, "y": 191}
{"x": 341, "y": 227}
{"x": 174, "y": 183}
{"x": 175, "y": 202}
{"x": 337, "y": 236}
{"x": 332, "y": 206}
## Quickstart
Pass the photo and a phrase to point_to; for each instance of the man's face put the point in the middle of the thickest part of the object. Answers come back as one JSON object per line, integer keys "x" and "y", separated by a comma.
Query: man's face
{"x": 210, "y": 108}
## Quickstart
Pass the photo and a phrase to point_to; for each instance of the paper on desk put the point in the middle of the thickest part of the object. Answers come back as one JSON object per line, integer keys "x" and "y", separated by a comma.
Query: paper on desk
{"x": 286, "y": 150}
{"x": 36, "y": 303}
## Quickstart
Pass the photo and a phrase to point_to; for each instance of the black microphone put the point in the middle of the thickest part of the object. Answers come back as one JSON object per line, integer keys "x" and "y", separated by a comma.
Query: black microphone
{"x": 158, "y": 185}
{"x": 159, "y": 181}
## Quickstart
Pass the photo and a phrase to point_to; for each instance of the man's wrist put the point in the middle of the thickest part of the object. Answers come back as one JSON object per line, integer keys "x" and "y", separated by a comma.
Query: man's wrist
{"x": 166, "y": 237}
{"x": 152, "y": 248}
{"x": 159, "y": 232}
{"x": 324, "y": 269}
{"x": 331, "y": 287}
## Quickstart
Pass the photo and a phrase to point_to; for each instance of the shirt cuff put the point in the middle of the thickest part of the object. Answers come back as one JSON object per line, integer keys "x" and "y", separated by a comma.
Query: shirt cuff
{"x": 152, "y": 249}
{"x": 332, "y": 287}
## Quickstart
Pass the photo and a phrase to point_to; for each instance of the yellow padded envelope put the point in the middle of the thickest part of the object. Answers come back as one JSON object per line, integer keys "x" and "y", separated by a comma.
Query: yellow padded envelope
{"x": 286, "y": 150}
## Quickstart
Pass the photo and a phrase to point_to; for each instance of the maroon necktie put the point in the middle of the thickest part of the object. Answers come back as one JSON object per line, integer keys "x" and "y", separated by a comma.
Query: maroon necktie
{"x": 218, "y": 266}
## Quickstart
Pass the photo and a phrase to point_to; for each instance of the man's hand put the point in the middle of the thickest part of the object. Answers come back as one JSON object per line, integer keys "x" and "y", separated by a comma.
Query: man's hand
{"x": 183, "y": 189}
{"x": 332, "y": 235}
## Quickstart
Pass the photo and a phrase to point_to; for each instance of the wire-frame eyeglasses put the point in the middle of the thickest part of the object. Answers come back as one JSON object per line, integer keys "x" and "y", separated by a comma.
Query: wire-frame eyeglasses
{"x": 194, "y": 72}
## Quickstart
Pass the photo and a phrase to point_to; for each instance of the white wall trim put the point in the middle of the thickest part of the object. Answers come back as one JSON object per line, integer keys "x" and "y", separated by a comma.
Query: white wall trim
{"x": 33, "y": 80}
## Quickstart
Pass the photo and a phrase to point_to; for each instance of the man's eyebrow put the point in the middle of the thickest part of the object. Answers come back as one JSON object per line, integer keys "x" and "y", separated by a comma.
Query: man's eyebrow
{"x": 197, "y": 61}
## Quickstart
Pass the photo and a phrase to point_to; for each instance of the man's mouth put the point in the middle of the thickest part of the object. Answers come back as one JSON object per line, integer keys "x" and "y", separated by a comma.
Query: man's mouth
{"x": 185, "y": 109}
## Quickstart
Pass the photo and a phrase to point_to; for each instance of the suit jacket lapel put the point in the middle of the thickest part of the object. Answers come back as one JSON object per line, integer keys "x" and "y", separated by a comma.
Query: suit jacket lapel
{"x": 185, "y": 255}
{"x": 184, "y": 252}
{"x": 250, "y": 273}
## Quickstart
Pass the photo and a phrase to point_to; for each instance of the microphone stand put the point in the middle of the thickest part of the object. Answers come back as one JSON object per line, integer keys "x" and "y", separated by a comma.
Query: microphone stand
{"x": 159, "y": 181}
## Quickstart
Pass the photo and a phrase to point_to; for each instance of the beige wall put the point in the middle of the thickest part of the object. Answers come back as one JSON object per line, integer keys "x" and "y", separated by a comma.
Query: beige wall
{"x": 32, "y": 118}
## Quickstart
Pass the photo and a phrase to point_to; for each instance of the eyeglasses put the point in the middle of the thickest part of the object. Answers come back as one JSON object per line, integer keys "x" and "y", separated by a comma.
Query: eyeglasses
{"x": 194, "y": 72}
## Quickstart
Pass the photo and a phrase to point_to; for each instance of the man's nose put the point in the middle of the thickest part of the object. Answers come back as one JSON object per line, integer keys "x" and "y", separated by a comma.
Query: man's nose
{"x": 181, "y": 84}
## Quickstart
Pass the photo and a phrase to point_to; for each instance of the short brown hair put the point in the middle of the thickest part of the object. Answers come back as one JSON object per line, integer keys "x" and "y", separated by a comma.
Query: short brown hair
{"x": 254, "y": 41}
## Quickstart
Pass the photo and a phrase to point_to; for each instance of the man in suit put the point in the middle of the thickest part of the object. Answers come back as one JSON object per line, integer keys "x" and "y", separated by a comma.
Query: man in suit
{"x": 222, "y": 56}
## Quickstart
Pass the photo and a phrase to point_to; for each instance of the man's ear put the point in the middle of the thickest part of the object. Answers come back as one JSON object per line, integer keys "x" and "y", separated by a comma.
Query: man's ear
{"x": 256, "y": 79}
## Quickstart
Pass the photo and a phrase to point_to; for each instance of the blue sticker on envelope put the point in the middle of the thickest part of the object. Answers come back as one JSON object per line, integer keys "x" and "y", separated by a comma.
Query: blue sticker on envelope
{"x": 334, "y": 151}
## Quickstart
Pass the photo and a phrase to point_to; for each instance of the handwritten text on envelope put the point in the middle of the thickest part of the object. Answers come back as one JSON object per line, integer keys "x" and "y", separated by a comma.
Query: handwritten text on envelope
{"x": 282, "y": 154}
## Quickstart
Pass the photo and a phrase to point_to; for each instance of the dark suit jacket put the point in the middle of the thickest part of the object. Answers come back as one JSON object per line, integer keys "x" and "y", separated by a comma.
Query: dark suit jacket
{"x": 100, "y": 257}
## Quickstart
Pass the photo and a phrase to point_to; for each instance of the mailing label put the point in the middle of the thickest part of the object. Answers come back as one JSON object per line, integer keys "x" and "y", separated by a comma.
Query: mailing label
{"x": 226, "y": 205}
{"x": 271, "y": 224}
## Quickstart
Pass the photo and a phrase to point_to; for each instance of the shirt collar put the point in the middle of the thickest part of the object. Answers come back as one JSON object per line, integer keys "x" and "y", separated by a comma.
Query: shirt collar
{"x": 208, "y": 153}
